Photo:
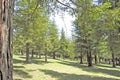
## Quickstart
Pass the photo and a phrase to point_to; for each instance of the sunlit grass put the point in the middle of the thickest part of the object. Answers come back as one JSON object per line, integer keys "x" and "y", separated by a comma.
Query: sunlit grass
{"x": 61, "y": 70}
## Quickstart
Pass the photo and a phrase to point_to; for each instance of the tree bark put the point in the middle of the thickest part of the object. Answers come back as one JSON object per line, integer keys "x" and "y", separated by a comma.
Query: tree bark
{"x": 3, "y": 51}
{"x": 6, "y": 12}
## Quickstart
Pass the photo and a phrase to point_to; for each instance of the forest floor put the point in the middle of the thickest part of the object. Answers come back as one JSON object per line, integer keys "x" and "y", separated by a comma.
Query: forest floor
{"x": 61, "y": 70}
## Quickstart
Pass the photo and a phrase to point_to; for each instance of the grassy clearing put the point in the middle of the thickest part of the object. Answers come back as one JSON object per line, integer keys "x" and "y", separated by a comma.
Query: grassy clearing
{"x": 61, "y": 70}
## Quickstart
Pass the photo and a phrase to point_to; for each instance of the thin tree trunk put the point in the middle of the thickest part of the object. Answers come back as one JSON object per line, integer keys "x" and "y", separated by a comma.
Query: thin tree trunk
{"x": 54, "y": 55}
{"x": 39, "y": 53}
{"x": 27, "y": 52}
{"x": 89, "y": 59}
{"x": 96, "y": 59}
{"x": 119, "y": 61}
{"x": 32, "y": 53}
{"x": 45, "y": 56}
{"x": 81, "y": 59}
{"x": 113, "y": 58}
{"x": 89, "y": 55}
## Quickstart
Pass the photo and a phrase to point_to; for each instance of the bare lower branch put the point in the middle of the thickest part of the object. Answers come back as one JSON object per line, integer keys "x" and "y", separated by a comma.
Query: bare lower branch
{"x": 65, "y": 5}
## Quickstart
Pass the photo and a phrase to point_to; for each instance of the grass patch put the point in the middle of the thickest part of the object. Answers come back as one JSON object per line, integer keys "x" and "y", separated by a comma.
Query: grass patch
{"x": 61, "y": 70}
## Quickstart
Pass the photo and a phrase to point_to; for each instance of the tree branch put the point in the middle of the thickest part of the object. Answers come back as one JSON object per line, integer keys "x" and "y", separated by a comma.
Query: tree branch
{"x": 75, "y": 3}
{"x": 65, "y": 5}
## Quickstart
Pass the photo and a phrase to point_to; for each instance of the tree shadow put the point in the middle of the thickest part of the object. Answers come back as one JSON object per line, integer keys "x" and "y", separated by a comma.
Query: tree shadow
{"x": 22, "y": 73}
{"x": 74, "y": 64}
{"x": 31, "y": 70}
{"x": 31, "y": 61}
{"x": 23, "y": 57}
{"x": 65, "y": 76}
{"x": 93, "y": 69}
{"x": 15, "y": 61}
{"x": 104, "y": 65}
{"x": 115, "y": 73}
{"x": 18, "y": 66}
{"x": 17, "y": 79}
{"x": 38, "y": 61}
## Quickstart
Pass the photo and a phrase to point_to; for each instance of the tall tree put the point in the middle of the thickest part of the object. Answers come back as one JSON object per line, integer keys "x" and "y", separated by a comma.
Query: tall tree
{"x": 63, "y": 44}
{"x": 30, "y": 17}
{"x": 54, "y": 40}
{"x": 6, "y": 15}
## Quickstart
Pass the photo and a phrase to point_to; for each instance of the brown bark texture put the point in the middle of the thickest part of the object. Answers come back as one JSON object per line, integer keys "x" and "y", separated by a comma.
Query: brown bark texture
{"x": 6, "y": 67}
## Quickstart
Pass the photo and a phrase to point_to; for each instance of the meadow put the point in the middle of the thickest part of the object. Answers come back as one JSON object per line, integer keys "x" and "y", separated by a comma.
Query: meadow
{"x": 59, "y": 69}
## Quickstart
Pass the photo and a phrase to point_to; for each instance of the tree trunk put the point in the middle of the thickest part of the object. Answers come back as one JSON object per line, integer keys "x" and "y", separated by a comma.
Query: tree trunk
{"x": 96, "y": 59}
{"x": 45, "y": 56}
{"x": 89, "y": 59}
{"x": 116, "y": 61}
{"x": 27, "y": 52}
{"x": 54, "y": 55}
{"x": 32, "y": 53}
{"x": 81, "y": 59}
{"x": 119, "y": 62}
{"x": 6, "y": 67}
{"x": 3, "y": 51}
{"x": 39, "y": 53}
{"x": 113, "y": 58}
{"x": 89, "y": 55}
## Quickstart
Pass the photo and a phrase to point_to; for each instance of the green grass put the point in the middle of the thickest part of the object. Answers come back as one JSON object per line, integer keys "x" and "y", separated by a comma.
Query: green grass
{"x": 61, "y": 70}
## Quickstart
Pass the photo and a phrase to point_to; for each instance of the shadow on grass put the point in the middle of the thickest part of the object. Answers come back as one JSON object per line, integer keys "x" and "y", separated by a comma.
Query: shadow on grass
{"x": 23, "y": 57}
{"x": 38, "y": 61}
{"x": 94, "y": 69}
{"x": 34, "y": 61}
{"x": 73, "y": 64}
{"x": 17, "y": 79}
{"x": 103, "y": 70}
{"x": 65, "y": 76}
{"x": 105, "y": 65}
{"x": 18, "y": 66}
{"x": 22, "y": 73}
{"x": 31, "y": 70}
{"x": 15, "y": 61}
